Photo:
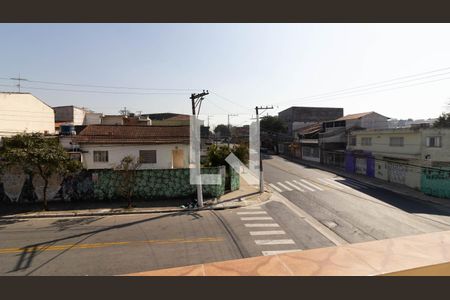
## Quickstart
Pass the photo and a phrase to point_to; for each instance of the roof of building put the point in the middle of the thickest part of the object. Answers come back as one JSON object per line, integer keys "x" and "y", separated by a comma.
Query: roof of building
{"x": 354, "y": 116}
{"x": 73, "y": 106}
{"x": 134, "y": 134}
{"x": 357, "y": 116}
{"x": 25, "y": 93}
{"x": 180, "y": 117}
{"x": 164, "y": 116}
{"x": 313, "y": 128}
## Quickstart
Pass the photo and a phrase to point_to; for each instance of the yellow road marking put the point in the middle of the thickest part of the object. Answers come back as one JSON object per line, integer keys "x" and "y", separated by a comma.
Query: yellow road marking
{"x": 102, "y": 245}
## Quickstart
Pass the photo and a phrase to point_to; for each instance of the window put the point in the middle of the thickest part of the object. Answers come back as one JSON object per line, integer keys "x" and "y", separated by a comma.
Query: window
{"x": 147, "y": 156}
{"x": 396, "y": 141}
{"x": 100, "y": 156}
{"x": 366, "y": 141}
{"x": 433, "y": 141}
{"x": 352, "y": 140}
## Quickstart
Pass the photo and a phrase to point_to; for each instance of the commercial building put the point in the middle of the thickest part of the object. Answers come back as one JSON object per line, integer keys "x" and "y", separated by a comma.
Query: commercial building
{"x": 297, "y": 116}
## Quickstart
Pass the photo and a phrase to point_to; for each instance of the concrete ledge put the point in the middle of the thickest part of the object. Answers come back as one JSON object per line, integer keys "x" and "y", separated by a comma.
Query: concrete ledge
{"x": 425, "y": 254}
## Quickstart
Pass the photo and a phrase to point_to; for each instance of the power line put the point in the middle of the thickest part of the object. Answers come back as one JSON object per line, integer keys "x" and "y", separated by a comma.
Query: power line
{"x": 230, "y": 101}
{"x": 378, "y": 91}
{"x": 103, "y": 86}
{"x": 95, "y": 92}
{"x": 380, "y": 84}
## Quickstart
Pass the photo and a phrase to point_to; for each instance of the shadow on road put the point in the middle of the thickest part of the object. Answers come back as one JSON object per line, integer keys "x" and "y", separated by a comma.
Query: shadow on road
{"x": 29, "y": 252}
{"x": 405, "y": 203}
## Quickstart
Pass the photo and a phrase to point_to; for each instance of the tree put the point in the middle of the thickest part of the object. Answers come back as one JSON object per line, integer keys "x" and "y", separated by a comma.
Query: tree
{"x": 128, "y": 168}
{"x": 272, "y": 124}
{"x": 38, "y": 155}
{"x": 217, "y": 154}
{"x": 222, "y": 130}
{"x": 443, "y": 121}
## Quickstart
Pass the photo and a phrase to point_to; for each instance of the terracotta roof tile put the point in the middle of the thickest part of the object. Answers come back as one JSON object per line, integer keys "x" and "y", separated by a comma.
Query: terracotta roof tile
{"x": 133, "y": 134}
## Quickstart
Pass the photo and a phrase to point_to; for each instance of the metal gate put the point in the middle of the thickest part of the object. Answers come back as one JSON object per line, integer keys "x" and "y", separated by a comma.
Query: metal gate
{"x": 361, "y": 165}
{"x": 396, "y": 172}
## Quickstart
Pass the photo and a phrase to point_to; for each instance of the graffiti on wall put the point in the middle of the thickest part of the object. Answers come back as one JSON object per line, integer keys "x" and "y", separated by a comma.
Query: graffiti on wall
{"x": 397, "y": 172}
{"x": 436, "y": 182}
{"x": 13, "y": 180}
{"x": 104, "y": 185}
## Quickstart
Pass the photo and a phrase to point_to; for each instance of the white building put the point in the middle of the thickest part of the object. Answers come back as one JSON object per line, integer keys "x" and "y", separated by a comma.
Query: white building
{"x": 23, "y": 112}
{"x": 70, "y": 114}
{"x": 157, "y": 147}
{"x": 400, "y": 153}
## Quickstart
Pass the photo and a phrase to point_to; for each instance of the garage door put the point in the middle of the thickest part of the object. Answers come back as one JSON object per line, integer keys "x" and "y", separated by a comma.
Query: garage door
{"x": 396, "y": 172}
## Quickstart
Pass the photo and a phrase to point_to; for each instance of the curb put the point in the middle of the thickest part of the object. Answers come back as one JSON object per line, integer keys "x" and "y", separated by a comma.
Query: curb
{"x": 114, "y": 213}
{"x": 347, "y": 175}
{"x": 217, "y": 206}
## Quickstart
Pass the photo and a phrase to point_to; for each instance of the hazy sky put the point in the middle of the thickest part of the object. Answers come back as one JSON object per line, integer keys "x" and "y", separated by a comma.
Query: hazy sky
{"x": 249, "y": 64}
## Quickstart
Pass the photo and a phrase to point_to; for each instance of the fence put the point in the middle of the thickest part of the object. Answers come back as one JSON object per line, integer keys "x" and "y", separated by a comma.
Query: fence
{"x": 104, "y": 185}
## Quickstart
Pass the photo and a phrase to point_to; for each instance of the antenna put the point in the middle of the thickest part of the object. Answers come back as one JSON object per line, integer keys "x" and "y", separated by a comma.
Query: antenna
{"x": 19, "y": 79}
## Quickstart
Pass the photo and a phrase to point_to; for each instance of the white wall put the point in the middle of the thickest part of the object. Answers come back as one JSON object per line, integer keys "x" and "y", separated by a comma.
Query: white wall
{"x": 24, "y": 113}
{"x": 380, "y": 142}
{"x": 92, "y": 118}
{"x": 437, "y": 153}
{"x": 112, "y": 120}
{"x": 374, "y": 121}
{"x": 117, "y": 152}
{"x": 78, "y": 116}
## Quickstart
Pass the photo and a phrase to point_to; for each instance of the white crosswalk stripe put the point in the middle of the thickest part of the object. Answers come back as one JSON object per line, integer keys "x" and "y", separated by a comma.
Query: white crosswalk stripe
{"x": 251, "y": 213}
{"x": 313, "y": 185}
{"x": 304, "y": 186}
{"x": 256, "y": 218}
{"x": 275, "y": 187}
{"x": 275, "y": 242}
{"x": 269, "y": 232}
{"x": 285, "y": 187}
{"x": 266, "y": 253}
{"x": 254, "y": 225}
{"x": 338, "y": 183}
{"x": 330, "y": 183}
{"x": 295, "y": 187}
{"x": 252, "y": 207}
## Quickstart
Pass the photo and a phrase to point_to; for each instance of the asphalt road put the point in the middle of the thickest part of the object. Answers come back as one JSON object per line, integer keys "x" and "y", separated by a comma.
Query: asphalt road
{"x": 309, "y": 209}
{"x": 352, "y": 210}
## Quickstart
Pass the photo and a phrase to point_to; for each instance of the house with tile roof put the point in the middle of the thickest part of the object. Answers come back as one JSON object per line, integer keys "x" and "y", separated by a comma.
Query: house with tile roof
{"x": 156, "y": 147}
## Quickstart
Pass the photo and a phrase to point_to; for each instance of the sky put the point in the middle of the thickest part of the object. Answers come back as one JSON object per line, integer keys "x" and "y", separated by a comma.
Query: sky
{"x": 242, "y": 65}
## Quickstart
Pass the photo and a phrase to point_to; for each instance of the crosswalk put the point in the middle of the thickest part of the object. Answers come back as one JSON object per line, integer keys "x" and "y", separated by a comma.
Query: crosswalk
{"x": 317, "y": 185}
{"x": 268, "y": 236}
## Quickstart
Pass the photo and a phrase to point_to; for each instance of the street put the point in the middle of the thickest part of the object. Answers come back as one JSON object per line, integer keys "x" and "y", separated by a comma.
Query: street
{"x": 309, "y": 209}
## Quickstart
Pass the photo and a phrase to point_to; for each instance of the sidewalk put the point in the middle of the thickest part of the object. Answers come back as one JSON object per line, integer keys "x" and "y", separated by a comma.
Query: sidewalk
{"x": 245, "y": 196}
{"x": 379, "y": 183}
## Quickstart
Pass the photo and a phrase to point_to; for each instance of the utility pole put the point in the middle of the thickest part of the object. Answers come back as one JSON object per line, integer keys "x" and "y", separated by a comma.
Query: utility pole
{"x": 229, "y": 128}
{"x": 261, "y": 177}
{"x": 196, "y": 100}
{"x": 19, "y": 79}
